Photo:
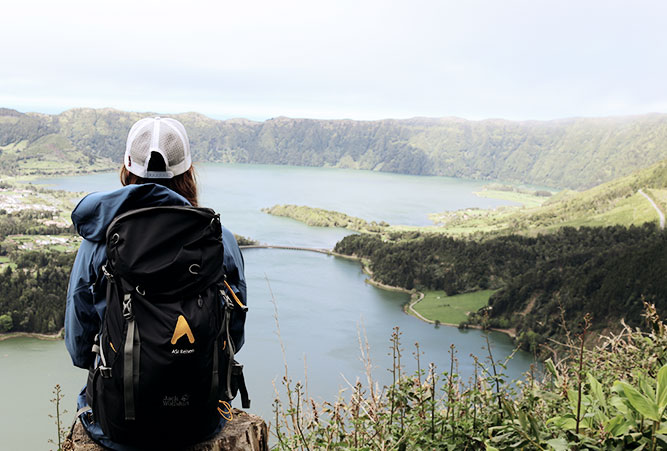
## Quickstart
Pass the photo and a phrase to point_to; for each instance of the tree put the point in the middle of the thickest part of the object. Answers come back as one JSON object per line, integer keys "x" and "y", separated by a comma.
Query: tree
{"x": 5, "y": 323}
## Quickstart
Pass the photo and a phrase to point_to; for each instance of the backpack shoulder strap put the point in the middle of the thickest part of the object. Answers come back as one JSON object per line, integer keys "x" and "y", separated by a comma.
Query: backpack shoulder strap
{"x": 131, "y": 354}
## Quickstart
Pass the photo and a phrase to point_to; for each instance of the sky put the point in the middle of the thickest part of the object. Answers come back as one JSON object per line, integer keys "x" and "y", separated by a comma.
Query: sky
{"x": 363, "y": 60}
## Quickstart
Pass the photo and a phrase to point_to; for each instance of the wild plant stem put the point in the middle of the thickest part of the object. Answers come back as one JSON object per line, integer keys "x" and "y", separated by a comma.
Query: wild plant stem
{"x": 398, "y": 367}
{"x": 58, "y": 416}
{"x": 419, "y": 381}
{"x": 474, "y": 399}
{"x": 495, "y": 375}
{"x": 58, "y": 396}
{"x": 581, "y": 366}
{"x": 431, "y": 371}
{"x": 298, "y": 420}
{"x": 450, "y": 385}
{"x": 394, "y": 337}
{"x": 278, "y": 434}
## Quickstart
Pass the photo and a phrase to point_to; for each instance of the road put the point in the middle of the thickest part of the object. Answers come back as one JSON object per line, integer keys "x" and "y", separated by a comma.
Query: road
{"x": 660, "y": 213}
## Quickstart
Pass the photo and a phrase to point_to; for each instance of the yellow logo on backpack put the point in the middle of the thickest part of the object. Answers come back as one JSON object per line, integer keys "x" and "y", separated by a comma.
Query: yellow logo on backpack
{"x": 182, "y": 328}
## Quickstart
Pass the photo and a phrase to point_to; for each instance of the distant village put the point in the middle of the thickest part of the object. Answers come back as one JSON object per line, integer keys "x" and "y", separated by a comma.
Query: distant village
{"x": 15, "y": 199}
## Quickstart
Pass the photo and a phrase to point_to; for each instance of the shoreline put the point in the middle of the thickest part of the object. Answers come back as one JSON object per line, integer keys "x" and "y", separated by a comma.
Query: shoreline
{"x": 415, "y": 297}
{"x": 48, "y": 337}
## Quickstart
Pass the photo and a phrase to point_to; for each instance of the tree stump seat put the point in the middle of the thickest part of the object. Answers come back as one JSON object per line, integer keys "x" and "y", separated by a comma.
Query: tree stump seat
{"x": 244, "y": 432}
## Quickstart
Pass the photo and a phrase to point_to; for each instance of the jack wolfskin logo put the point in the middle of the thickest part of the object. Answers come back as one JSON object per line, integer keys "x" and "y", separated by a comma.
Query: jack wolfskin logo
{"x": 176, "y": 401}
{"x": 182, "y": 328}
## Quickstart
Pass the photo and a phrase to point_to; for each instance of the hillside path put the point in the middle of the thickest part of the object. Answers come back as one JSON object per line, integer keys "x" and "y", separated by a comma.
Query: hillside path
{"x": 660, "y": 213}
{"x": 420, "y": 296}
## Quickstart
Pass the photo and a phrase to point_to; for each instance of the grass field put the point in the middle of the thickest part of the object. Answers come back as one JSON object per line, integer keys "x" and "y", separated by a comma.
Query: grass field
{"x": 525, "y": 199}
{"x": 590, "y": 209}
{"x": 5, "y": 262}
{"x": 437, "y": 306}
{"x": 612, "y": 203}
{"x": 634, "y": 209}
{"x": 660, "y": 197}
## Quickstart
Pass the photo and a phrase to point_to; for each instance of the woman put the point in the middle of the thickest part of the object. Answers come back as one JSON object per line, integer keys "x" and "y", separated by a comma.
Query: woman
{"x": 157, "y": 171}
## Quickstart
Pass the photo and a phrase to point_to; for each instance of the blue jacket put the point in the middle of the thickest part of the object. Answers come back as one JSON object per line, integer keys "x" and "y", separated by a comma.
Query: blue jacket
{"x": 86, "y": 301}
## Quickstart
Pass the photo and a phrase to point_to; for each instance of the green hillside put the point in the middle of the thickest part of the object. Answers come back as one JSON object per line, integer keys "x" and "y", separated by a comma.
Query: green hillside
{"x": 613, "y": 203}
{"x": 571, "y": 153}
{"x": 618, "y": 202}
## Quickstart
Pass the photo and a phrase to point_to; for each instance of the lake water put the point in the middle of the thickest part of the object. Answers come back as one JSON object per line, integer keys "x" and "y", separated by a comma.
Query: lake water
{"x": 322, "y": 302}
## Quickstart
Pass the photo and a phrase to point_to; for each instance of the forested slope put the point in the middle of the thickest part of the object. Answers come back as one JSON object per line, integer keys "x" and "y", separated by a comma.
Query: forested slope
{"x": 605, "y": 271}
{"x": 573, "y": 153}
{"x": 32, "y": 296}
{"x": 33, "y": 282}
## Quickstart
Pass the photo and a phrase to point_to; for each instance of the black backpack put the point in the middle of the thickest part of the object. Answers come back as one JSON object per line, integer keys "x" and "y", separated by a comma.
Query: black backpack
{"x": 166, "y": 370}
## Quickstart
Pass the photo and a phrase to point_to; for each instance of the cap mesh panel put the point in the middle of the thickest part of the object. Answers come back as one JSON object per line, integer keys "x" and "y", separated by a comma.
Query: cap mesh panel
{"x": 140, "y": 146}
{"x": 172, "y": 145}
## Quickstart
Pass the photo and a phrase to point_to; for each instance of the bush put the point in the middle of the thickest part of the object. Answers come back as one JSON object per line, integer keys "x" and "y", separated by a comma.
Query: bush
{"x": 6, "y": 323}
{"x": 611, "y": 397}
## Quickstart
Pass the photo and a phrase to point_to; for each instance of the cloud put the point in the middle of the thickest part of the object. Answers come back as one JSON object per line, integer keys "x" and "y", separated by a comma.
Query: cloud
{"x": 358, "y": 59}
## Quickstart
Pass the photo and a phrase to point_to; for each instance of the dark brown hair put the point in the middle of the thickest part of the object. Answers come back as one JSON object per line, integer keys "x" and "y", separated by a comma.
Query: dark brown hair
{"x": 184, "y": 184}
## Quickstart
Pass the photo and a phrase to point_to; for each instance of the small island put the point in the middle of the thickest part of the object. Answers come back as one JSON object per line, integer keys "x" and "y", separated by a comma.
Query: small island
{"x": 319, "y": 217}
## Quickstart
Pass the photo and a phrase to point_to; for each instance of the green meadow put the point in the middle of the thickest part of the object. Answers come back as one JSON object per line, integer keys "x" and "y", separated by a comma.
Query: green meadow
{"x": 437, "y": 306}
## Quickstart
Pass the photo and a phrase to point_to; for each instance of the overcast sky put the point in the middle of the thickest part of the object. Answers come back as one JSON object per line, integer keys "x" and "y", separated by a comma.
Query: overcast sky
{"x": 337, "y": 59}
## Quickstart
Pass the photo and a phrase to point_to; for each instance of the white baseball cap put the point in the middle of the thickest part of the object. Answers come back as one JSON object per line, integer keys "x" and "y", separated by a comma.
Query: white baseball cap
{"x": 162, "y": 135}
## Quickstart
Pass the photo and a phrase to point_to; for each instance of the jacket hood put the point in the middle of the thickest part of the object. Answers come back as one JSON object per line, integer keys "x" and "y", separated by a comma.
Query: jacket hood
{"x": 94, "y": 213}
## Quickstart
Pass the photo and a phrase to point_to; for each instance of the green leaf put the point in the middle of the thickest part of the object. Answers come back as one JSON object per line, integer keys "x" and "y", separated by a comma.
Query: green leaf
{"x": 661, "y": 396}
{"x": 617, "y": 426}
{"x": 600, "y": 417}
{"x": 596, "y": 390}
{"x": 520, "y": 444}
{"x": 645, "y": 388}
{"x": 618, "y": 403}
{"x": 523, "y": 421}
{"x": 640, "y": 402}
{"x": 662, "y": 429}
{"x": 662, "y": 438}
{"x": 558, "y": 444}
{"x": 573, "y": 397}
{"x": 551, "y": 368}
{"x": 534, "y": 427}
{"x": 565, "y": 422}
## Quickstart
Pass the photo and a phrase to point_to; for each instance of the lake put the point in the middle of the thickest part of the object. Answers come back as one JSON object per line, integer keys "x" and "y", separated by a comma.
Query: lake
{"x": 322, "y": 303}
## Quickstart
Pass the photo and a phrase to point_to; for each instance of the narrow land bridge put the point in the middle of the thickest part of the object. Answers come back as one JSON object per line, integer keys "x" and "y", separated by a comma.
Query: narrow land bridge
{"x": 290, "y": 248}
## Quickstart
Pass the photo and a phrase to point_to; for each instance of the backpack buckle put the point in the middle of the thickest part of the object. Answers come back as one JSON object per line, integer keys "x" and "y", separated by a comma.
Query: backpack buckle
{"x": 106, "y": 272}
{"x": 128, "y": 314}
{"x": 237, "y": 368}
{"x": 228, "y": 301}
{"x": 105, "y": 372}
